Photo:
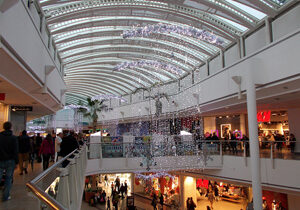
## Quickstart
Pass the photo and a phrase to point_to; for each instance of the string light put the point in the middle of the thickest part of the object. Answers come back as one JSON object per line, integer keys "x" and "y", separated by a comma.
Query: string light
{"x": 165, "y": 28}
{"x": 107, "y": 97}
{"x": 74, "y": 106}
{"x": 155, "y": 175}
{"x": 155, "y": 63}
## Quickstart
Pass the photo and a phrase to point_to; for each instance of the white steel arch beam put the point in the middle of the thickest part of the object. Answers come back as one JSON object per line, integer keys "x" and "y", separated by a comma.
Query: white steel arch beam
{"x": 108, "y": 81}
{"x": 100, "y": 82}
{"x": 133, "y": 81}
{"x": 141, "y": 41}
{"x": 231, "y": 34}
{"x": 96, "y": 86}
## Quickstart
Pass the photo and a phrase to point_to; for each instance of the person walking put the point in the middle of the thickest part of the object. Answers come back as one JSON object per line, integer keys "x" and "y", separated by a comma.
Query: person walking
{"x": 108, "y": 204}
{"x": 161, "y": 201}
{"x": 38, "y": 143}
{"x": 68, "y": 145}
{"x": 47, "y": 150}
{"x": 292, "y": 142}
{"x": 8, "y": 157}
{"x": 58, "y": 141}
{"x": 154, "y": 202}
{"x": 192, "y": 205}
{"x": 24, "y": 149}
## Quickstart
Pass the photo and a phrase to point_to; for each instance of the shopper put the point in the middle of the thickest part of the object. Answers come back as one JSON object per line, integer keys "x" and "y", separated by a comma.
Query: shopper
{"x": 108, "y": 204}
{"x": 38, "y": 143}
{"x": 245, "y": 140}
{"x": 68, "y": 145}
{"x": 24, "y": 149}
{"x": 211, "y": 198}
{"x": 58, "y": 141}
{"x": 161, "y": 201}
{"x": 191, "y": 204}
{"x": 126, "y": 187}
{"x": 292, "y": 142}
{"x": 117, "y": 183}
{"x": 154, "y": 202}
{"x": 233, "y": 142}
{"x": 47, "y": 150}
{"x": 8, "y": 157}
{"x": 122, "y": 190}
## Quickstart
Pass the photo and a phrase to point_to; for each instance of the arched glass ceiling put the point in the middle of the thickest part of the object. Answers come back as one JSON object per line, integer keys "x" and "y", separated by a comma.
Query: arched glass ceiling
{"x": 87, "y": 34}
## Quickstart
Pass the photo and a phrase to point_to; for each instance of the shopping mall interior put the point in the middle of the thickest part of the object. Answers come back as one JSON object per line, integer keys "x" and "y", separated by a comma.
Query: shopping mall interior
{"x": 159, "y": 104}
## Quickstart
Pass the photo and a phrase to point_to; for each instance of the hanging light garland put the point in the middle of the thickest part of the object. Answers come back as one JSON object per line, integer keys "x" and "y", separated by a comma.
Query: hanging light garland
{"x": 74, "y": 106}
{"x": 152, "y": 176}
{"x": 165, "y": 28}
{"x": 107, "y": 97}
{"x": 155, "y": 63}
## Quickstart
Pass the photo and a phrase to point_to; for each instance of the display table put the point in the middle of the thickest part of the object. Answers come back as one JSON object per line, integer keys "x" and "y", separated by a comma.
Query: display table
{"x": 232, "y": 198}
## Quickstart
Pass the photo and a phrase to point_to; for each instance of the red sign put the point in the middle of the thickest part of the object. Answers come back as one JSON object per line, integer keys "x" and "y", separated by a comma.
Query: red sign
{"x": 264, "y": 116}
{"x": 2, "y": 96}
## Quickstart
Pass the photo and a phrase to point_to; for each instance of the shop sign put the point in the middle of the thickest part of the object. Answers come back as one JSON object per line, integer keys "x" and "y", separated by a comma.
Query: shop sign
{"x": 2, "y": 96}
{"x": 21, "y": 108}
{"x": 264, "y": 116}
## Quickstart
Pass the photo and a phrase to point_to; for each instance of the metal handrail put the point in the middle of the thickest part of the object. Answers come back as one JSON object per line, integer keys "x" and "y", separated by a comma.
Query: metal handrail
{"x": 40, "y": 194}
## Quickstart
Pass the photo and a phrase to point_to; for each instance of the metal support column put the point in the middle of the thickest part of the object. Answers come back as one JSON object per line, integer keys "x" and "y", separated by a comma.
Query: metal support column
{"x": 254, "y": 144}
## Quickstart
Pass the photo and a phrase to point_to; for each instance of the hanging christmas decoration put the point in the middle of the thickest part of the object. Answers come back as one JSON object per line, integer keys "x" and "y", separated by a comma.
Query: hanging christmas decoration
{"x": 107, "y": 97}
{"x": 155, "y": 63}
{"x": 166, "y": 28}
{"x": 74, "y": 106}
{"x": 155, "y": 175}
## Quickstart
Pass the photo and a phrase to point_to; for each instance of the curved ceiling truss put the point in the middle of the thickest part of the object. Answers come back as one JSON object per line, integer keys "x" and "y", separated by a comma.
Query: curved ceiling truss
{"x": 88, "y": 36}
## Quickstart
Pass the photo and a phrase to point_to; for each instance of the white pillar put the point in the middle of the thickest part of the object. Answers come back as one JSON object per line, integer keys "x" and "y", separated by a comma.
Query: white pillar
{"x": 243, "y": 124}
{"x": 207, "y": 67}
{"x": 222, "y": 58}
{"x": 241, "y": 47}
{"x": 181, "y": 195}
{"x": 254, "y": 146}
{"x": 268, "y": 30}
{"x": 294, "y": 125}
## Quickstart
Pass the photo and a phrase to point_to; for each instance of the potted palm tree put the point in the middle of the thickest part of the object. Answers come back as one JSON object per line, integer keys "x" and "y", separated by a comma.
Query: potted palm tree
{"x": 93, "y": 106}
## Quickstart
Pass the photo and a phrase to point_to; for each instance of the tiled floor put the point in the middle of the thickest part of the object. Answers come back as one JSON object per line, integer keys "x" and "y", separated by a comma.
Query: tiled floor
{"x": 21, "y": 198}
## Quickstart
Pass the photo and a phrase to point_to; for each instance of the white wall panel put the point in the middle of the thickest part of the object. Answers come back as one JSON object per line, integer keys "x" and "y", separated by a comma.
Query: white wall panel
{"x": 215, "y": 65}
{"x": 231, "y": 55}
{"x": 287, "y": 23}
{"x": 255, "y": 41}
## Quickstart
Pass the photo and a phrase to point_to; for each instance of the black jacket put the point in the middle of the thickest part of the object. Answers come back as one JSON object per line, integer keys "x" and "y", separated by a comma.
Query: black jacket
{"x": 68, "y": 145}
{"x": 24, "y": 144}
{"x": 8, "y": 146}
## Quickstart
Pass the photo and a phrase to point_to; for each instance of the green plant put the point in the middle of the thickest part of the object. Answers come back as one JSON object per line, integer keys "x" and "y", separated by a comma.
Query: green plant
{"x": 93, "y": 106}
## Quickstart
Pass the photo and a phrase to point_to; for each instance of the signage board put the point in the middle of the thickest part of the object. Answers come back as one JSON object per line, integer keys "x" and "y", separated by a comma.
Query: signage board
{"x": 21, "y": 108}
{"x": 2, "y": 96}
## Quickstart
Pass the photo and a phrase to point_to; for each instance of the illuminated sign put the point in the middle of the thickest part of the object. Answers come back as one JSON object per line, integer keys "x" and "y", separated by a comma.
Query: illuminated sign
{"x": 264, "y": 116}
{"x": 21, "y": 108}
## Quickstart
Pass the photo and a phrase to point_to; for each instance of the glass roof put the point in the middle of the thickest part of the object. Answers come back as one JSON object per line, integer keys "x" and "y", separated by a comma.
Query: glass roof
{"x": 88, "y": 37}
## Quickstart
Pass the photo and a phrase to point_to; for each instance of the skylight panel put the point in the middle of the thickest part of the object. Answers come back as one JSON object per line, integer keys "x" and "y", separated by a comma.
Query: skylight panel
{"x": 250, "y": 10}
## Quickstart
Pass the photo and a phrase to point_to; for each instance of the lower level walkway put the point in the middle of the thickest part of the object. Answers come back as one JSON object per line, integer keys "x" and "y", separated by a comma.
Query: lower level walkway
{"x": 21, "y": 198}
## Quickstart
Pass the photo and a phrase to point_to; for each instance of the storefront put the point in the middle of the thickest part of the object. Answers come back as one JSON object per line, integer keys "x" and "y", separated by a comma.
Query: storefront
{"x": 157, "y": 184}
{"x": 106, "y": 183}
{"x": 220, "y": 194}
{"x": 4, "y": 111}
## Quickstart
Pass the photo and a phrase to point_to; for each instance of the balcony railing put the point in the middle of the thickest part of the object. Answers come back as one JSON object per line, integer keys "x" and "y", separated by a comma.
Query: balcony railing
{"x": 61, "y": 185}
{"x": 150, "y": 154}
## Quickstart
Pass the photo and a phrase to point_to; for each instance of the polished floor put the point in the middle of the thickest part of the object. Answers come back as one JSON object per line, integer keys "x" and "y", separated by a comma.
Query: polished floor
{"x": 21, "y": 198}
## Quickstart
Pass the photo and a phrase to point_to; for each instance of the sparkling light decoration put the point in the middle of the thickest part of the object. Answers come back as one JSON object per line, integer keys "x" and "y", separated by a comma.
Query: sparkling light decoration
{"x": 74, "y": 106}
{"x": 155, "y": 175}
{"x": 155, "y": 63}
{"x": 165, "y": 28}
{"x": 107, "y": 97}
